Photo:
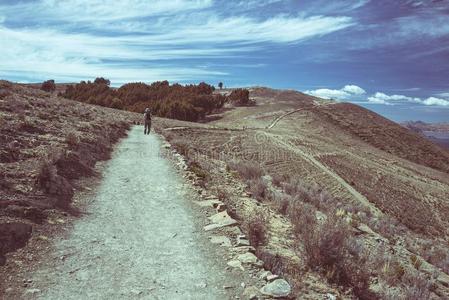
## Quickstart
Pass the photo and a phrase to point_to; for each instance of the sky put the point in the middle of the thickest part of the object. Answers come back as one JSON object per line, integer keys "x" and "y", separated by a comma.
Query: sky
{"x": 391, "y": 56}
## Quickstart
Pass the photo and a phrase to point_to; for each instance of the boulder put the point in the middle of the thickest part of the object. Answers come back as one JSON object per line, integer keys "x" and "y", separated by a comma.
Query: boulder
{"x": 247, "y": 258}
{"x": 277, "y": 289}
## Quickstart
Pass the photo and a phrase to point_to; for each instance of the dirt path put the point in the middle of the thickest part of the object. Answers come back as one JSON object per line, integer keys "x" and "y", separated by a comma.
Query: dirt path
{"x": 139, "y": 240}
{"x": 362, "y": 199}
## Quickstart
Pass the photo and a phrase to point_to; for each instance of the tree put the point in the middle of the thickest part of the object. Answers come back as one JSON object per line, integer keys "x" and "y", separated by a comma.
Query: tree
{"x": 48, "y": 86}
{"x": 240, "y": 97}
{"x": 220, "y": 85}
{"x": 101, "y": 80}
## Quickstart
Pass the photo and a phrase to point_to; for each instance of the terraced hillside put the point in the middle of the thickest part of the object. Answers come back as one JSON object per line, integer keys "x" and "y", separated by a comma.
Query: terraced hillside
{"x": 390, "y": 184}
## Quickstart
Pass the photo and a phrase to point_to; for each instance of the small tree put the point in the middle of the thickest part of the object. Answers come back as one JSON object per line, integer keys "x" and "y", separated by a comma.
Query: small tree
{"x": 48, "y": 86}
{"x": 220, "y": 85}
{"x": 101, "y": 80}
{"x": 240, "y": 97}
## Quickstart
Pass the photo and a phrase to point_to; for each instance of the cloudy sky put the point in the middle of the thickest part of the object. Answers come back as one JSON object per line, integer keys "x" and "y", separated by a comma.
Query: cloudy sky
{"x": 389, "y": 56}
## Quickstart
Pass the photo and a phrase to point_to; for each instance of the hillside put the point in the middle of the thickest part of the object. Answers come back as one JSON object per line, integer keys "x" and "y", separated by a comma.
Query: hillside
{"x": 47, "y": 143}
{"x": 333, "y": 197}
{"x": 389, "y": 183}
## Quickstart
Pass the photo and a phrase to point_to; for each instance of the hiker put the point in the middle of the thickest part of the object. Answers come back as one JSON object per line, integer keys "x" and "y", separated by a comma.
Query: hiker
{"x": 147, "y": 121}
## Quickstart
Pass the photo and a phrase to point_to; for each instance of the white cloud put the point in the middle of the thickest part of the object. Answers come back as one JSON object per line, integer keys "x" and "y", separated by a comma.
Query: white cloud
{"x": 353, "y": 93}
{"x": 353, "y": 89}
{"x": 345, "y": 93}
{"x": 79, "y": 39}
{"x": 75, "y": 11}
{"x": 435, "y": 101}
{"x": 381, "y": 98}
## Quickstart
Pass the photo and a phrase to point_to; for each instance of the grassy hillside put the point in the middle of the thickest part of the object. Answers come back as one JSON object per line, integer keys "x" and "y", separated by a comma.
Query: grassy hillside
{"x": 331, "y": 194}
{"x": 47, "y": 143}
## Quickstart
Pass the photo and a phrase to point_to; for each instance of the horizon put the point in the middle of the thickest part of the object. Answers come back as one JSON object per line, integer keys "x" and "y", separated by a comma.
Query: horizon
{"x": 316, "y": 47}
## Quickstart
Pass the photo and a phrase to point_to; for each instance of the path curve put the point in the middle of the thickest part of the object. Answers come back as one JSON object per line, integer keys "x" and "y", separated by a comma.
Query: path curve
{"x": 138, "y": 240}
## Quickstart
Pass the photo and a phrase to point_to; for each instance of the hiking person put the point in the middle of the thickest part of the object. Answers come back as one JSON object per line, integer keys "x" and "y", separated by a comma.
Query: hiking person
{"x": 147, "y": 121}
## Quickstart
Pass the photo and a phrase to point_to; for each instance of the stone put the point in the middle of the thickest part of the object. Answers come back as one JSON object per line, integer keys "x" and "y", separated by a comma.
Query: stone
{"x": 329, "y": 296}
{"x": 221, "y": 217}
{"x": 264, "y": 275}
{"x": 243, "y": 249}
{"x": 247, "y": 258}
{"x": 220, "y": 207}
{"x": 208, "y": 203}
{"x": 251, "y": 293}
{"x": 242, "y": 241}
{"x": 272, "y": 277}
{"x": 277, "y": 289}
{"x": 219, "y": 220}
{"x": 236, "y": 264}
{"x": 221, "y": 240}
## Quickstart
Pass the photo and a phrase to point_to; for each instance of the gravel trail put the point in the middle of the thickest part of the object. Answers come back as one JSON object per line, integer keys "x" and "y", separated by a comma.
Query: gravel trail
{"x": 139, "y": 238}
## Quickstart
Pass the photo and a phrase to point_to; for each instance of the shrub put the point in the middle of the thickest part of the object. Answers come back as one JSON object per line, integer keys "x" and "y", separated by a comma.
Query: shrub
{"x": 247, "y": 169}
{"x": 48, "y": 86}
{"x": 278, "y": 179}
{"x": 257, "y": 231}
{"x": 416, "y": 286}
{"x": 258, "y": 188}
{"x": 240, "y": 97}
{"x": 72, "y": 140}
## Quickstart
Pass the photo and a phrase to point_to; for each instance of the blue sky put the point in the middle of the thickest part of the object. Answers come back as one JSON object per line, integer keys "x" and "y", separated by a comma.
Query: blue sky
{"x": 389, "y": 56}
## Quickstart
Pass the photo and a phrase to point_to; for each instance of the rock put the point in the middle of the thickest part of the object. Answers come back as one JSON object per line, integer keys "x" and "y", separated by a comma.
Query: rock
{"x": 236, "y": 264}
{"x": 221, "y": 240}
{"x": 9, "y": 290}
{"x": 208, "y": 203}
{"x": 242, "y": 241}
{"x": 272, "y": 277}
{"x": 277, "y": 289}
{"x": 219, "y": 220}
{"x": 243, "y": 249}
{"x": 264, "y": 274}
{"x": 251, "y": 293}
{"x": 220, "y": 207}
{"x": 247, "y": 258}
{"x": 330, "y": 297}
{"x": 221, "y": 217}
{"x": 32, "y": 291}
